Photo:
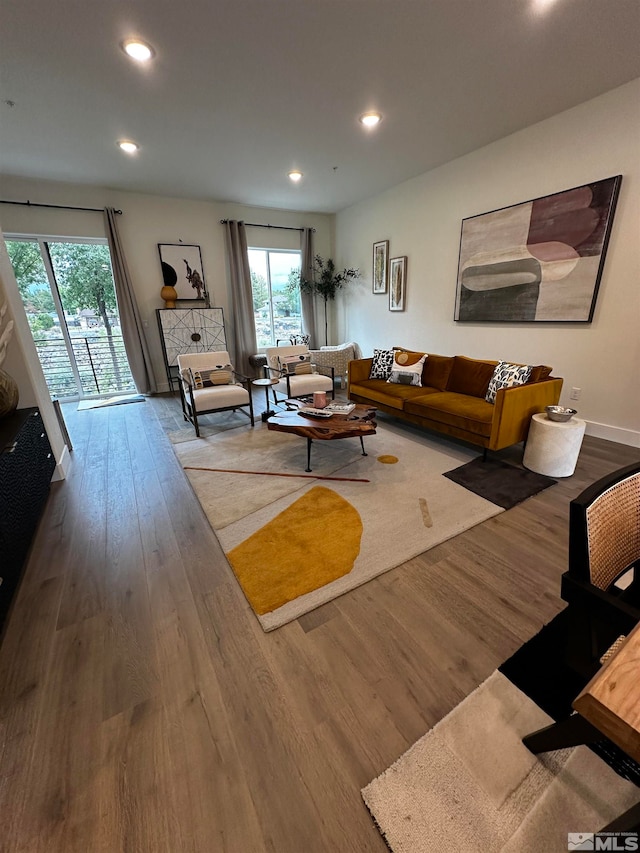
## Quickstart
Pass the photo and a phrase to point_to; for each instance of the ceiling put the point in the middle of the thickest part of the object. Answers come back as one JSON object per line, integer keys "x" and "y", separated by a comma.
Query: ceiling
{"x": 242, "y": 91}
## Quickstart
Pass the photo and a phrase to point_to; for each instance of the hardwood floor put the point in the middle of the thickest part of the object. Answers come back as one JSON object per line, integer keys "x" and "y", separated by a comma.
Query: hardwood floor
{"x": 142, "y": 708}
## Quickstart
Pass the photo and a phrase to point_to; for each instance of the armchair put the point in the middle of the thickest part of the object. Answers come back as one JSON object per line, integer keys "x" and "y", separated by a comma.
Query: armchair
{"x": 337, "y": 357}
{"x": 297, "y": 374}
{"x": 602, "y": 584}
{"x": 209, "y": 384}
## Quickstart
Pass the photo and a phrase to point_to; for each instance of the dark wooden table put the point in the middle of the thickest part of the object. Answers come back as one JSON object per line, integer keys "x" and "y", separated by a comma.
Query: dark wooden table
{"x": 358, "y": 423}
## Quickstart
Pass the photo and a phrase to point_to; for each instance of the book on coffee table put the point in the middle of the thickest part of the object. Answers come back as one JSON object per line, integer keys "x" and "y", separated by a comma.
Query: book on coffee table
{"x": 314, "y": 413}
{"x": 340, "y": 408}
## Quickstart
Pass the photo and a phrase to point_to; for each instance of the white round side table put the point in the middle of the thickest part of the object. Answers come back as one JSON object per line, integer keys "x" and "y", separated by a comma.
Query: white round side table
{"x": 552, "y": 448}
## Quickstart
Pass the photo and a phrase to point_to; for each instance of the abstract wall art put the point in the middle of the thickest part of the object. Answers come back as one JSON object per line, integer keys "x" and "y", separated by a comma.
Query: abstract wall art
{"x": 182, "y": 268}
{"x": 538, "y": 261}
{"x": 397, "y": 283}
{"x": 380, "y": 266}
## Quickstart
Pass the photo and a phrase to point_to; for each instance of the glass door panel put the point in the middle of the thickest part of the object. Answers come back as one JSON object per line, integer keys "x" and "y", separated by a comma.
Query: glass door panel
{"x": 69, "y": 296}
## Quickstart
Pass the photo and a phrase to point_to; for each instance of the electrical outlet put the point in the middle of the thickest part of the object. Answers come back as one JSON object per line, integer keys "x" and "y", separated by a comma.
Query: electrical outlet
{"x": 575, "y": 393}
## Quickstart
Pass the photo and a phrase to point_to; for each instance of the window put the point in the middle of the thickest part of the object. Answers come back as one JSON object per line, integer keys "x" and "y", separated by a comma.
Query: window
{"x": 69, "y": 297}
{"x": 276, "y": 297}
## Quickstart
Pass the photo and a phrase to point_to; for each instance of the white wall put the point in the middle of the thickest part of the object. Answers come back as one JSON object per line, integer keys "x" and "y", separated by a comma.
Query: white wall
{"x": 148, "y": 220}
{"x": 422, "y": 219}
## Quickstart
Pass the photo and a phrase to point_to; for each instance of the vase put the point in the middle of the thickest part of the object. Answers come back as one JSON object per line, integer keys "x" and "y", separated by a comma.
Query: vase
{"x": 9, "y": 394}
{"x": 169, "y": 294}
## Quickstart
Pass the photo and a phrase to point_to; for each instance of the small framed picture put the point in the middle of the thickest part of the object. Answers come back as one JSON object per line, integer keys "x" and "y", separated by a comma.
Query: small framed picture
{"x": 182, "y": 268}
{"x": 380, "y": 266}
{"x": 397, "y": 283}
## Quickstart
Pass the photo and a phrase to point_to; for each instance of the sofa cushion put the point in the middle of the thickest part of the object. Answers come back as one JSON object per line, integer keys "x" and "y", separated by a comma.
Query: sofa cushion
{"x": 437, "y": 370}
{"x": 461, "y": 411}
{"x": 539, "y": 373}
{"x": 470, "y": 376}
{"x": 507, "y": 375}
{"x": 393, "y": 396}
{"x": 381, "y": 364}
{"x": 407, "y": 368}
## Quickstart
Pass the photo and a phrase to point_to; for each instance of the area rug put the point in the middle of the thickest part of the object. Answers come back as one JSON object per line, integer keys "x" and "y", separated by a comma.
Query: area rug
{"x": 496, "y": 481}
{"x": 296, "y": 540}
{"x": 120, "y": 400}
{"x": 470, "y": 784}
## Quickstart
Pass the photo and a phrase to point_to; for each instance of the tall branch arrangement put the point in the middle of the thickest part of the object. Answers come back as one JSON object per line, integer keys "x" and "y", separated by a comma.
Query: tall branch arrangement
{"x": 326, "y": 282}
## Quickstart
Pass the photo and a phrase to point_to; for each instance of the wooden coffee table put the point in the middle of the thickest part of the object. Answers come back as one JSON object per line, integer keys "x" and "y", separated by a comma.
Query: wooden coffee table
{"x": 357, "y": 423}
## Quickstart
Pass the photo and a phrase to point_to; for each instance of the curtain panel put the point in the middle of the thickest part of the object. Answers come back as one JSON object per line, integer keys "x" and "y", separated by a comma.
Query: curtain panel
{"x": 245, "y": 341}
{"x": 307, "y": 303}
{"x": 135, "y": 342}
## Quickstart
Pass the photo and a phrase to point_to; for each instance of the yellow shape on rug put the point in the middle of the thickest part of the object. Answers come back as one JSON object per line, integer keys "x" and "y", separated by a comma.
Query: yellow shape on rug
{"x": 311, "y": 543}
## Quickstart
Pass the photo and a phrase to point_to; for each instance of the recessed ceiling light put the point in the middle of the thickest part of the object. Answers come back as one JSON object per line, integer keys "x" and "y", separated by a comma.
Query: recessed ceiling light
{"x": 370, "y": 119}
{"x": 295, "y": 175}
{"x": 138, "y": 50}
{"x": 128, "y": 146}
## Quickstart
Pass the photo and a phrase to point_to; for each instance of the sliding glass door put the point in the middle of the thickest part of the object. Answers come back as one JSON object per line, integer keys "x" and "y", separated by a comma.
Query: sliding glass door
{"x": 68, "y": 293}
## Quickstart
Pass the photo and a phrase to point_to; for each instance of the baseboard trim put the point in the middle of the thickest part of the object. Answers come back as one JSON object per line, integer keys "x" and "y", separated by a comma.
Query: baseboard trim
{"x": 621, "y": 435}
{"x": 63, "y": 465}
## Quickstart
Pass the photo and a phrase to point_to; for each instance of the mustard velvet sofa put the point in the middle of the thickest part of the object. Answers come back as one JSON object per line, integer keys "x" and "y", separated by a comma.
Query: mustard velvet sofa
{"x": 451, "y": 399}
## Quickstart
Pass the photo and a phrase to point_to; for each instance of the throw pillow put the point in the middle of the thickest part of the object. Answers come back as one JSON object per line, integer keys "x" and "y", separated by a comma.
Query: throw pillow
{"x": 407, "y": 368}
{"x": 381, "y": 364}
{"x": 295, "y": 365}
{"x": 221, "y": 374}
{"x": 507, "y": 375}
{"x": 300, "y": 340}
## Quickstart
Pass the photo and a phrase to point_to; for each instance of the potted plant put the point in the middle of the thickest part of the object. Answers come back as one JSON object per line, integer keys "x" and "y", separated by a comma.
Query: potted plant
{"x": 326, "y": 282}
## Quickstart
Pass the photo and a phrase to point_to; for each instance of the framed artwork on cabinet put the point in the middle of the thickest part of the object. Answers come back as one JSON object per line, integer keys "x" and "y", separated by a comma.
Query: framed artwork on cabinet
{"x": 182, "y": 268}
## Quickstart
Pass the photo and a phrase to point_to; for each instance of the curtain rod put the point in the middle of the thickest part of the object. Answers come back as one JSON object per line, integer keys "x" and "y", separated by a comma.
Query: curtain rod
{"x": 256, "y": 225}
{"x": 56, "y": 206}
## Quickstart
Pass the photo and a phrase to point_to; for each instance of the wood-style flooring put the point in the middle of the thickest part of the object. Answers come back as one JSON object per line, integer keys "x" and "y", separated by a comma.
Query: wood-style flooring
{"x": 142, "y": 708}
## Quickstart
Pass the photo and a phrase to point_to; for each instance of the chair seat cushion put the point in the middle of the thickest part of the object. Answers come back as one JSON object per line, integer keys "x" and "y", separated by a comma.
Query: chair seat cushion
{"x": 219, "y": 397}
{"x": 305, "y": 384}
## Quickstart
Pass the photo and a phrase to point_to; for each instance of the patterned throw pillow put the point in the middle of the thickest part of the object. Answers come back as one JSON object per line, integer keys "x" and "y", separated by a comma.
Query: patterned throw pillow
{"x": 507, "y": 375}
{"x": 407, "y": 369}
{"x": 221, "y": 374}
{"x": 295, "y": 365}
{"x": 300, "y": 340}
{"x": 381, "y": 364}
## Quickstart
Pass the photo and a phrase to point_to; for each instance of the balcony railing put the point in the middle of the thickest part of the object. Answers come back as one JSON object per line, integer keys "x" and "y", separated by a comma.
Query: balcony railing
{"x": 101, "y": 362}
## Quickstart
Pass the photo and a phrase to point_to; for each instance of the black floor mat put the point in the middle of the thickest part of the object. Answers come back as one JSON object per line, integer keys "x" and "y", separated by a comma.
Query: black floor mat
{"x": 502, "y": 484}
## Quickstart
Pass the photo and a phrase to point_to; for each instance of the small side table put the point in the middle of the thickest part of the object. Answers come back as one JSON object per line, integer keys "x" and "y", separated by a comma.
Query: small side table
{"x": 552, "y": 448}
{"x": 266, "y": 384}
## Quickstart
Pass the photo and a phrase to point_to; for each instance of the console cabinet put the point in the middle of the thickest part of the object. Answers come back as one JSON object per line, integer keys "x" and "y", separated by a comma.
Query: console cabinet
{"x": 26, "y": 466}
{"x": 188, "y": 330}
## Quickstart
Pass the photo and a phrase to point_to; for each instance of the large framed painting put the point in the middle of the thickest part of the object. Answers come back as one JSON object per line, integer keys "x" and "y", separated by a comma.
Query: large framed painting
{"x": 182, "y": 268}
{"x": 538, "y": 261}
{"x": 380, "y": 266}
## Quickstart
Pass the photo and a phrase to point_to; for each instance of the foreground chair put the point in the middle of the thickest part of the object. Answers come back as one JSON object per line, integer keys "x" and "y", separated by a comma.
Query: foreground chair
{"x": 209, "y": 384}
{"x": 602, "y": 584}
{"x": 296, "y": 373}
{"x": 606, "y": 708}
